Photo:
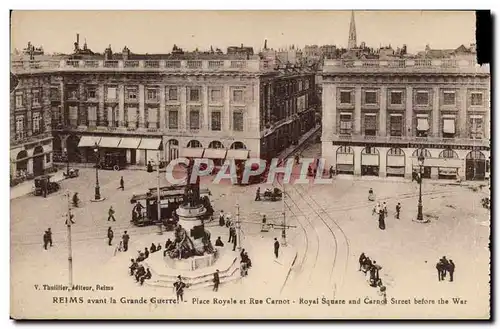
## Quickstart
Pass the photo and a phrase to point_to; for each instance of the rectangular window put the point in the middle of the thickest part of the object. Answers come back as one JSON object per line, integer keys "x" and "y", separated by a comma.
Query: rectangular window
{"x": 72, "y": 93}
{"x": 476, "y": 99}
{"x": 371, "y": 97}
{"x": 307, "y": 84}
{"x": 152, "y": 95}
{"x": 422, "y": 126}
{"x": 111, "y": 93}
{"x": 19, "y": 127}
{"x": 370, "y": 125}
{"x": 19, "y": 100}
{"x": 36, "y": 97}
{"x": 238, "y": 96}
{"x": 54, "y": 93}
{"x": 132, "y": 115}
{"x": 215, "y": 95}
{"x": 238, "y": 121}
{"x": 215, "y": 122}
{"x": 194, "y": 119}
{"x": 448, "y": 127}
{"x": 345, "y": 97}
{"x": 194, "y": 95}
{"x": 396, "y": 97}
{"x": 36, "y": 122}
{"x": 132, "y": 94}
{"x": 476, "y": 127}
{"x": 300, "y": 85}
{"x": 47, "y": 158}
{"x": 172, "y": 94}
{"x": 173, "y": 120}
{"x": 449, "y": 98}
{"x": 422, "y": 98}
{"x": 396, "y": 125}
{"x": 345, "y": 124}
{"x": 92, "y": 93}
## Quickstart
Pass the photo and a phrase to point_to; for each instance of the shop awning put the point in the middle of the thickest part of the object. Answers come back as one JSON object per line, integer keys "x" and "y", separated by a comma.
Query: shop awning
{"x": 449, "y": 126}
{"x": 150, "y": 144}
{"x": 129, "y": 143}
{"x": 422, "y": 124}
{"x": 192, "y": 152}
{"x": 215, "y": 153}
{"x": 89, "y": 141}
{"x": 111, "y": 142}
{"x": 237, "y": 154}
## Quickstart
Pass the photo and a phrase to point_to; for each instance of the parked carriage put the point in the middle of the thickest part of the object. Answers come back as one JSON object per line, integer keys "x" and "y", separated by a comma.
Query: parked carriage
{"x": 72, "y": 173}
{"x": 43, "y": 183}
{"x": 272, "y": 195}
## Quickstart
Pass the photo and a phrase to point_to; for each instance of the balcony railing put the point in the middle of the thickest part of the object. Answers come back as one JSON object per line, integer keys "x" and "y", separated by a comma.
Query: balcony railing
{"x": 405, "y": 65}
{"x": 251, "y": 65}
{"x": 412, "y": 139}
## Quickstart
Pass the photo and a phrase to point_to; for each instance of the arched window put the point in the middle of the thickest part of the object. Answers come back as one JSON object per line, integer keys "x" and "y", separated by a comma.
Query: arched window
{"x": 369, "y": 150}
{"x": 215, "y": 145}
{"x": 238, "y": 146}
{"x": 194, "y": 144}
{"x": 345, "y": 150}
{"x": 448, "y": 154}
{"x": 423, "y": 152}
{"x": 173, "y": 142}
{"x": 475, "y": 155}
{"x": 396, "y": 151}
{"x": 38, "y": 150}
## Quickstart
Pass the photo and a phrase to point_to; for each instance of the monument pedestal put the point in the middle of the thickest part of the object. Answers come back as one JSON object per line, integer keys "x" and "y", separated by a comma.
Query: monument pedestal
{"x": 190, "y": 216}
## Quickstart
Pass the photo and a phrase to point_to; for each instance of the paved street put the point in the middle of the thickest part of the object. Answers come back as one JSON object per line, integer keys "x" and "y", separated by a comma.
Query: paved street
{"x": 333, "y": 225}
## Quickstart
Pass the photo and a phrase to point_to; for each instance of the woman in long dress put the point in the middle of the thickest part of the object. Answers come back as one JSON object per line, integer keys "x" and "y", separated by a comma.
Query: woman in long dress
{"x": 381, "y": 220}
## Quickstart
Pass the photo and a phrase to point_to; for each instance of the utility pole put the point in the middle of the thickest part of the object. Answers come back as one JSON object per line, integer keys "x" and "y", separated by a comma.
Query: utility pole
{"x": 283, "y": 232}
{"x": 238, "y": 223}
{"x": 69, "y": 221}
{"x": 158, "y": 192}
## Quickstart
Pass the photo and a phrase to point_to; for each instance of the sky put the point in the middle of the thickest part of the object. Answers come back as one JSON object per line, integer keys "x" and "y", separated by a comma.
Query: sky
{"x": 158, "y": 31}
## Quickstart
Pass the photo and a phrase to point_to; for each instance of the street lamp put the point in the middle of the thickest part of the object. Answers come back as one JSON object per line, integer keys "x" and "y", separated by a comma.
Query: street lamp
{"x": 67, "y": 161}
{"x": 97, "y": 196}
{"x": 158, "y": 197}
{"x": 420, "y": 216}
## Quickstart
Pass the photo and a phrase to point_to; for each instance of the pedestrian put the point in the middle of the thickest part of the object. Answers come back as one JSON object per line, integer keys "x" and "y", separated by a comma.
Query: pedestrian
{"x": 150, "y": 167}
{"x": 152, "y": 249}
{"x": 216, "y": 280}
{"x": 122, "y": 183}
{"x": 125, "y": 239}
{"x": 49, "y": 236}
{"x": 381, "y": 220}
{"x": 257, "y": 194}
{"x": 110, "y": 236}
{"x": 439, "y": 268}
{"x": 146, "y": 252}
{"x": 232, "y": 232}
{"x": 276, "y": 247}
{"x": 444, "y": 267}
{"x": 133, "y": 266}
{"x": 146, "y": 276}
{"x": 234, "y": 242}
{"x": 221, "y": 218}
{"x": 384, "y": 208}
{"x": 45, "y": 240}
{"x": 264, "y": 224}
{"x": 362, "y": 259}
{"x": 371, "y": 196}
{"x": 331, "y": 172}
{"x": 179, "y": 289}
{"x": 219, "y": 243}
{"x": 376, "y": 209}
{"x": 398, "y": 210}
{"x": 451, "y": 269}
{"x": 167, "y": 244}
{"x": 76, "y": 200}
{"x": 111, "y": 214}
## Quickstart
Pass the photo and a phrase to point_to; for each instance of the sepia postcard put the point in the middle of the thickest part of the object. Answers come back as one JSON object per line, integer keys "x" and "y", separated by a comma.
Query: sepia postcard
{"x": 249, "y": 165}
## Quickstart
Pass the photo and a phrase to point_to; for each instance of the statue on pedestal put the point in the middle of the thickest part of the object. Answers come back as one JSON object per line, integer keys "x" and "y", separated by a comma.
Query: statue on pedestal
{"x": 192, "y": 191}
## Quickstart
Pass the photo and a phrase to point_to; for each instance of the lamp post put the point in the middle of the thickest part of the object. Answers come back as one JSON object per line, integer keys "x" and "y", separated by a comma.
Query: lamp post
{"x": 97, "y": 196}
{"x": 420, "y": 215}
{"x": 67, "y": 161}
{"x": 158, "y": 197}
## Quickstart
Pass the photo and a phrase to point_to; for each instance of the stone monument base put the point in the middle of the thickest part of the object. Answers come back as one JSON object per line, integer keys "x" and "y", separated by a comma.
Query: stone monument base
{"x": 190, "y": 216}
{"x": 191, "y": 263}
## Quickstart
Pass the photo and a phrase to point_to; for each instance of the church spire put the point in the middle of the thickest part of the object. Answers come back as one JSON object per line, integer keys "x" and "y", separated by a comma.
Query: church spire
{"x": 352, "y": 33}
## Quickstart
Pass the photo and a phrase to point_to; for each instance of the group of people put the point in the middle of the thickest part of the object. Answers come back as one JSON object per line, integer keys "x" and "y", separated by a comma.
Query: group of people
{"x": 445, "y": 266}
{"x": 381, "y": 210}
{"x": 225, "y": 220}
{"x": 367, "y": 266}
{"x": 123, "y": 245}
{"x": 139, "y": 271}
{"x": 245, "y": 263}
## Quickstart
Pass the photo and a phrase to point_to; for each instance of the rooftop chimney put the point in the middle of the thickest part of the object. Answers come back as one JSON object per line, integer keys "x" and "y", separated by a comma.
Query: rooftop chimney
{"x": 78, "y": 39}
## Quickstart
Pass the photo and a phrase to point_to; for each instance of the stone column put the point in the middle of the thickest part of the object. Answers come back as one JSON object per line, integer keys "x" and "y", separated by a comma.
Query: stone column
{"x": 329, "y": 129}
{"x": 382, "y": 161}
{"x": 121, "y": 105}
{"x": 435, "y": 112}
{"x": 357, "y": 111}
{"x": 383, "y": 112}
{"x": 462, "y": 116}
{"x": 141, "y": 97}
{"x": 409, "y": 112}
{"x": 62, "y": 108}
{"x": 81, "y": 92}
{"x": 183, "y": 114}
{"x": 357, "y": 160}
{"x": 226, "y": 113}
{"x": 100, "y": 109}
{"x": 204, "y": 106}
{"x": 162, "y": 109}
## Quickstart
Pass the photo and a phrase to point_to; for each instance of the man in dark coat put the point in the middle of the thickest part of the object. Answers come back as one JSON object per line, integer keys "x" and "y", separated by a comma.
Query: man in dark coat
{"x": 232, "y": 234}
{"x": 221, "y": 218}
{"x": 146, "y": 276}
{"x": 216, "y": 280}
{"x": 381, "y": 220}
{"x": 110, "y": 236}
{"x": 122, "y": 183}
{"x": 234, "y": 242}
{"x": 49, "y": 236}
{"x": 439, "y": 268}
{"x": 45, "y": 240}
{"x": 133, "y": 266}
{"x": 398, "y": 210}
{"x": 362, "y": 259}
{"x": 179, "y": 288}
{"x": 219, "y": 243}
{"x": 451, "y": 269}
{"x": 111, "y": 214}
{"x": 152, "y": 249}
{"x": 445, "y": 264}
{"x": 125, "y": 239}
{"x": 139, "y": 273}
{"x": 146, "y": 252}
{"x": 276, "y": 247}
{"x": 257, "y": 194}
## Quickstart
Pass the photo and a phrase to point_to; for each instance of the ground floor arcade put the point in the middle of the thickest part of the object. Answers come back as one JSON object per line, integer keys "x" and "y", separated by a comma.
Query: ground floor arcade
{"x": 439, "y": 163}
{"x": 31, "y": 159}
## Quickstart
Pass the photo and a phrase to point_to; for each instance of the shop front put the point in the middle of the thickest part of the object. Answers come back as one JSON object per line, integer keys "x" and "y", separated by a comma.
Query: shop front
{"x": 476, "y": 166}
{"x": 396, "y": 162}
{"x": 370, "y": 162}
{"x": 345, "y": 160}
